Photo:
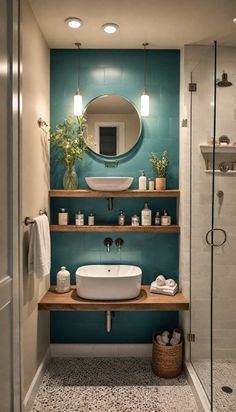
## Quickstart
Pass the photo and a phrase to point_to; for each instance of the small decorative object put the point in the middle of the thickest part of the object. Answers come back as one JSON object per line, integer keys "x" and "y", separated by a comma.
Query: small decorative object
{"x": 160, "y": 167}
{"x": 224, "y": 140}
{"x": 71, "y": 140}
{"x": 91, "y": 219}
{"x": 165, "y": 219}
{"x": 157, "y": 219}
{"x": 79, "y": 219}
{"x": 146, "y": 216}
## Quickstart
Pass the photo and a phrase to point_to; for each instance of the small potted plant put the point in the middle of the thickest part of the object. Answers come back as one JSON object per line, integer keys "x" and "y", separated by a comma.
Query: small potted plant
{"x": 160, "y": 167}
{"x": 71, "y": 140}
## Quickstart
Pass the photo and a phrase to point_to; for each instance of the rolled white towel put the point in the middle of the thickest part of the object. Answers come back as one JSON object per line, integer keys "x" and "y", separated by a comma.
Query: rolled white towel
{"x": 170, "y": 282}
{"x": 166, "y": 332}
{"x": 174, "y": 341}
{"x": 160, "y": 341}
{"x": 176, "y": 334}
{"x": 160, "y": 280}
{"x": 165, "y": 339}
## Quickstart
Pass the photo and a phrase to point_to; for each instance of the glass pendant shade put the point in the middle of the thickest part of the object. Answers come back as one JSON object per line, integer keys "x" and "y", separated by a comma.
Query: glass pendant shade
{"x": 145, "y": 104}
{"x": 78, "y": 107}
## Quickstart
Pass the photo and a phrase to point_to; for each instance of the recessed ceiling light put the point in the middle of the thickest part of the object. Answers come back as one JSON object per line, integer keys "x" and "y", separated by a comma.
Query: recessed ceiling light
{"x": 234, "y": 20}
{"x": 73, "y": 22}
{"x": 110, "y": 28}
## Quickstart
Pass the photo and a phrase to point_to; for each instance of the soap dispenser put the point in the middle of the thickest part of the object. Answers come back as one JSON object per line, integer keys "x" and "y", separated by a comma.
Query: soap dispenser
{"x": 142, "y": 182}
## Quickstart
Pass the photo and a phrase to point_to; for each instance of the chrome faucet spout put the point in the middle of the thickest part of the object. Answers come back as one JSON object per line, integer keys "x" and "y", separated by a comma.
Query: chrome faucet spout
{"x": 108, "y": 242}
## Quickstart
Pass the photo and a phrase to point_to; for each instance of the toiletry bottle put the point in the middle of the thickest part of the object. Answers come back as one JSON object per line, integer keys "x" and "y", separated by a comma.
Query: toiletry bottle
{"x": 146, "y": 216}
{"x": 63, "y": 217}
{"x": 121, "y": 218}
{"x": 157, "y": 219}
{"x": 142, "y": 182}
{"x": 165, "y": 219}
{"x": 63, "y": 280}
{"x": 135, "y": 220}
{"x": 151, "y": 183}
{"x": 79, "y": 219}
{"x": 91, "y": 219}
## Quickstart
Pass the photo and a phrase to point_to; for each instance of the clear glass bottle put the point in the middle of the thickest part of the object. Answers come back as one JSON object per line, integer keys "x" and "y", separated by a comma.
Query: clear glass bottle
{"x": 91, "y": 219}
{"x": 165, "y": 219}
{"x": 157, "y": 219}
{"x": 63, "y": 217}
{"x": 63, "y": 280}
{"x": 79, "y": 219}
{"x": 146, "y": 216}
{"x": 121, "y": 218}
{"x": 135, "y": 220}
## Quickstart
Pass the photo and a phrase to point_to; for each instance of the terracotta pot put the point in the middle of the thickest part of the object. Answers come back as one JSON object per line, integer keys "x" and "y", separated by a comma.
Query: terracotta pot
{"x": 160, "y": 183}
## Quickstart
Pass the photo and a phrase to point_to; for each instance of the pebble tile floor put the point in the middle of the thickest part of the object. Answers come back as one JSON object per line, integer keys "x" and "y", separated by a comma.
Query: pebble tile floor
{"x": 224, "y": 374}
{"x": 110, "y": 385}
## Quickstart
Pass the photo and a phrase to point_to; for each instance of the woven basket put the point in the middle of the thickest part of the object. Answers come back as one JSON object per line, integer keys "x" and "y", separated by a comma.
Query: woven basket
{"x": 166, "y": 360}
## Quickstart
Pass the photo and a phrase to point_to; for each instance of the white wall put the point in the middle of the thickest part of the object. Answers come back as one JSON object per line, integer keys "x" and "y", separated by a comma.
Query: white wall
{"x": 35, "y": 183}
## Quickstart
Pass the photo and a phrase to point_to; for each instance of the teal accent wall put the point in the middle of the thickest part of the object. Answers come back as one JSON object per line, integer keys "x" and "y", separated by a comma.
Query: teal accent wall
{"x": 117, "y": 72}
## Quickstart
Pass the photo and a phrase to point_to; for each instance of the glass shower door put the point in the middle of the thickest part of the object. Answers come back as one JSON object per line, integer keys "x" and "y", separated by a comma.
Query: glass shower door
{"x": 201, "y": 181}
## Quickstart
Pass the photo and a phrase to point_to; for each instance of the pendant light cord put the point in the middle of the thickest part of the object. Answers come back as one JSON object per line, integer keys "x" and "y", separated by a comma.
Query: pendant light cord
{"x": 145, "y": 64}
{"x": 78, "y": 63}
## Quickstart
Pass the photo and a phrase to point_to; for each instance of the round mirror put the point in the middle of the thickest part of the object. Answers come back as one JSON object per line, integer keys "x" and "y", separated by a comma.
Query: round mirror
{"x": 113, "y": 123}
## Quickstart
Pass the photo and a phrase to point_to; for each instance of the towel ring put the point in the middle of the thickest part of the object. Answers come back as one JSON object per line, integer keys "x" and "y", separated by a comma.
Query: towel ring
{"x": 29, "y": 221}
{"x": 216, "y": 244}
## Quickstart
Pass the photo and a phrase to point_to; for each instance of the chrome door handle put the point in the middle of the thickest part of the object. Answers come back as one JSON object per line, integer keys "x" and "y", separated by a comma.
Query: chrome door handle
{"x": 216, "y": 244}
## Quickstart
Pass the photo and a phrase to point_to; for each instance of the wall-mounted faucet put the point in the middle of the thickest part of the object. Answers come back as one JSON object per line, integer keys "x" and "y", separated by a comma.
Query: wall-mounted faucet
{"x": 108, "y": 242}
{"x": 119, "y": 242}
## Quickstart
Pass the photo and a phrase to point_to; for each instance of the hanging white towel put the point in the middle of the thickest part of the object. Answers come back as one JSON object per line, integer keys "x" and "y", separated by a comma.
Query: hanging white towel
{"x": 39, "y": 257}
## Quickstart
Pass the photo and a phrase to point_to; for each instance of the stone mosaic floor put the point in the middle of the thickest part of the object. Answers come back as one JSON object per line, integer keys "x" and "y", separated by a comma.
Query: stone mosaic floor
{"x": 110, "y": 385}
{"x": 224, "y": 374}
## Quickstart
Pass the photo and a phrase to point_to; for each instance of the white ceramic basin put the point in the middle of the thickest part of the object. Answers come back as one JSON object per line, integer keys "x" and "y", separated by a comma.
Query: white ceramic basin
{"x": 108, "y": 282}
{"x": 109, "y": 183}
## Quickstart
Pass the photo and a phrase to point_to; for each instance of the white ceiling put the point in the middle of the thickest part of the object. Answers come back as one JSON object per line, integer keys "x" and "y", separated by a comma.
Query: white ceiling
{"x": 162, "y": 23}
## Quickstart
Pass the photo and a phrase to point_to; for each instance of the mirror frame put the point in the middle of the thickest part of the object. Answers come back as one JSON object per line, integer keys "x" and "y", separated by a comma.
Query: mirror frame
{"x": 140, "y": 127}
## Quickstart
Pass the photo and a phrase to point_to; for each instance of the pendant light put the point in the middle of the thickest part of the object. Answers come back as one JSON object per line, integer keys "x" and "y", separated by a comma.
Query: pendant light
{"x": 145, "y": 96}
{"x": 78, "y": 107}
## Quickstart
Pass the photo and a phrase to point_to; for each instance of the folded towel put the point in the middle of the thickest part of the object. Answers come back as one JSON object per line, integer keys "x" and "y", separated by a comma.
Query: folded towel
{"x": 160, "y": 280}
{"x": 164, "y": 290}
{"x": 39, "y": 257}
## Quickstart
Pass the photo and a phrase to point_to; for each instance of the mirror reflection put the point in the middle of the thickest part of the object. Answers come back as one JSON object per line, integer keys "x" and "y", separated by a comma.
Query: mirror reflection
{"x": 113, "y": 123}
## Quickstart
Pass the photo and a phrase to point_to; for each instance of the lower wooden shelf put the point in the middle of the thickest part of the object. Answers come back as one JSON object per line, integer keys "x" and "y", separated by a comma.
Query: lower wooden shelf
{"x": 146, "y": 301}
{"x": 115, "y": 228}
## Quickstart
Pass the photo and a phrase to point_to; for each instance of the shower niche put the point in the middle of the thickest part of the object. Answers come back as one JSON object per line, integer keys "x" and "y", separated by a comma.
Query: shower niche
{"x": 225, "y": 159}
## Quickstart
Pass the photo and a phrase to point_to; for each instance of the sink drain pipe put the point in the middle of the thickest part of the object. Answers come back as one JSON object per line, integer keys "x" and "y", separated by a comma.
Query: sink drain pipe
{"x": 108, "y": 315}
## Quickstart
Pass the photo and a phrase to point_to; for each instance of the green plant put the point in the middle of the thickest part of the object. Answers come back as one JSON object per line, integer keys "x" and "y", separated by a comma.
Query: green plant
{"x": 160, "y": 165}
{"x": 70, "y": 137}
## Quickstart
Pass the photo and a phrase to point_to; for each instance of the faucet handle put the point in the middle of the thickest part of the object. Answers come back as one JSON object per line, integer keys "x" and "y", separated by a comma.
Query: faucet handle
{"x": 108, "y": 242}
{"x": 119, "y": 242}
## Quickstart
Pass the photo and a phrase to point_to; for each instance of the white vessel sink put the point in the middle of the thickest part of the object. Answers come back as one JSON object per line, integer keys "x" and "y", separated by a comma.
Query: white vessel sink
{"x": 108, "y": 282}
{"x": 109, "y": 183}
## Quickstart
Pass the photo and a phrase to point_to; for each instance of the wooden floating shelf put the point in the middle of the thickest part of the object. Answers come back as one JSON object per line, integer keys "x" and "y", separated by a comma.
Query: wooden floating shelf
{"x": 115, "y": 228}
{"x": 127, "y": 193}
{"x": 146, "y": 301}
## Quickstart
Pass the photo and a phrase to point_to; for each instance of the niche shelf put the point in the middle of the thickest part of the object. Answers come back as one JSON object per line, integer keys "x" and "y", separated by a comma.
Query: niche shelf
{"x": 115, "y": 228}
{"x": 218, "y": 149}
{"x": 223, "y": 154}
{"x": 146, "y": 301}
{"x": 111, "y": 194}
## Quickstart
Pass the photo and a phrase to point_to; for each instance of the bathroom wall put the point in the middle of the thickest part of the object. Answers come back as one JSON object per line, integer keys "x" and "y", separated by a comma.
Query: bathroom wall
{"x": 199, "y": 60}
{"x": 35, "y": 183}
{"x": 117, "y": 72}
